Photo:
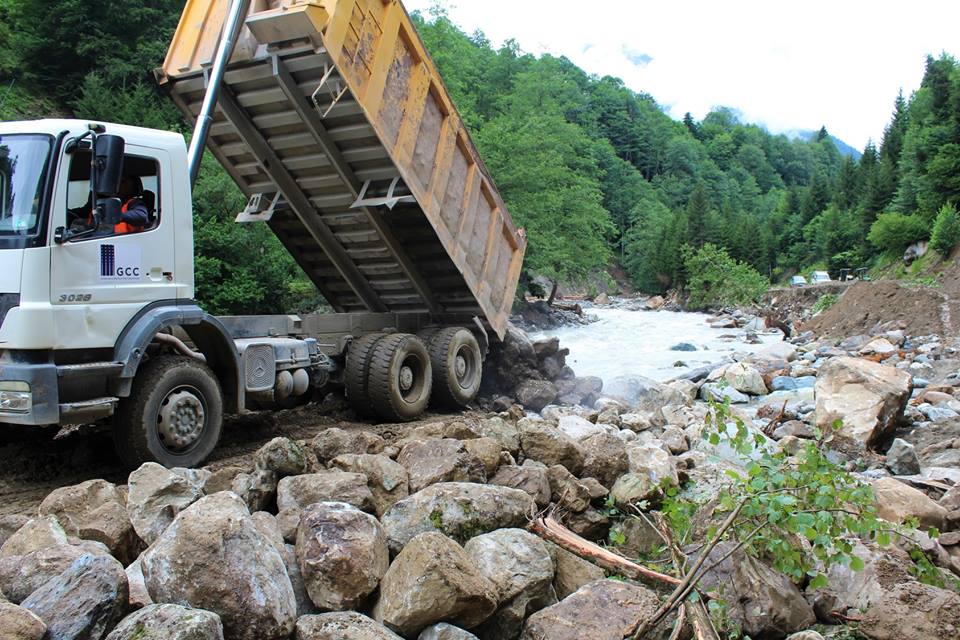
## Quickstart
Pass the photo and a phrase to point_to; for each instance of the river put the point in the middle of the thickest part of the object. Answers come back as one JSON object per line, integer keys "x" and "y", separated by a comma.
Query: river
{"x": 638, "y": 342}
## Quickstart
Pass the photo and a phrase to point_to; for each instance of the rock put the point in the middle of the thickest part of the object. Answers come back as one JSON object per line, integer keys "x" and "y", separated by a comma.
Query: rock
{"x": 17, "y": 623}
{"x": 633, "y": 488}
{"x": 937, "y": 414}
{"x": 902, "y": 458}
{"x": 36, "y": 534}
{"x": 487, "y": 451}
{"x": 545, "y": 443}
{"x": 601, "y": 610}
{"x": 915, "y": 611}
{"x": 645, "y": 394}
{"x": 519, "y": 565}
{"x": 460, "y": 510}
{"x": 155, "y": 495}
{"x": 531, "y": 477}
{"x": 536, "y": 394}
{"x": 745, "y": 379}
{"x": 652, "y": 461}
{"x": 605, "y": 458}
{"x": 334, "y": 442}
{"x": 9, "y": 524}
{"x": 94, "y": 510}
{"x": 868, "y": 397}
{"x": 765, "y": 603}
{"x": 778, "y": 351}
{"x": 719, "y": 393}
{"x": 433, "y": 580}
{"x": 346, "y": 625}
{"x": 878, "y": 346}
{"x": 221, "y": 479}
{"x": 213, "y": 557}
{"x": 636, "y": 538}
{"x": 169, "y": 622}
{"x": 675, "y": 440}
{"x": 883, "y": 568}
{"x": 572, "y": 572}
{"x": 794, "y": 428}
{"x": 683, "y": 346}
{"x": 299, "y": 492}
{"x": 342, "y": 554}
{"x": 257, "y": 489}
{"x": 805, "y": 635}
{"x": 584, "y": 391}
{"x": 386, "y": 479}
{"x": 84, "y": 602}
{"x": 431, "y": 461}
{"x": 22, "y": 575}
{"x": 284, "y": 457}
{"x": 444, "y": 631}
{"x": 897, "y": 501}
{"x": 567, "y": 491}
{"x": 305, "y": 606}
{"x": 502, "y": 431}
{"x": 139, "y": 597}
{"x": 636, "y": 421}
{"x": 578, "y": 428}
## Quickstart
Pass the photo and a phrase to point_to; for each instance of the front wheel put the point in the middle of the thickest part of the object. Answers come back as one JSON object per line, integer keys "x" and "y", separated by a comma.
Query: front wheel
{"x": 173, "y": 416}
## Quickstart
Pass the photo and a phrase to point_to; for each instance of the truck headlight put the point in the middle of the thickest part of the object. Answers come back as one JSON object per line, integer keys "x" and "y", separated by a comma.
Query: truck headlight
{"x": 15, "y": 397}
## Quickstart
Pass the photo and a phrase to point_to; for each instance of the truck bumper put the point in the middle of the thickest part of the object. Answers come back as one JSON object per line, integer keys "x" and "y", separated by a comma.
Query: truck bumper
{"x": 42, "y": 378}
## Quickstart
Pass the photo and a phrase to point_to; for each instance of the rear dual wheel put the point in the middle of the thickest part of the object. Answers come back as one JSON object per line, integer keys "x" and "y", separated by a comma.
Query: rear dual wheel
{"x": 457, "y": 366}
{"x": 389, "y": 376}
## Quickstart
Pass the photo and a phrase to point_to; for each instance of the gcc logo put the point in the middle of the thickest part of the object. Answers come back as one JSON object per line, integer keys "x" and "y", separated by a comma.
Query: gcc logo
{"x": 120, "y": 262}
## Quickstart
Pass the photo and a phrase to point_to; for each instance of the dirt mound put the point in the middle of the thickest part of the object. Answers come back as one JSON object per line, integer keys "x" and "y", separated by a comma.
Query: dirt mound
{"x": 918, "y": 310}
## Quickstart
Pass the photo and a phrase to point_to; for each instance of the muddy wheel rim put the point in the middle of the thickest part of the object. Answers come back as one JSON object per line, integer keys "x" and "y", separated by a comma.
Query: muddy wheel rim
{"x": 181, "y": 419}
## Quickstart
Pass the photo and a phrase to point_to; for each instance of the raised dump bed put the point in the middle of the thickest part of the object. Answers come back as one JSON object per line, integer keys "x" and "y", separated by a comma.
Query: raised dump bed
{"x": 335, "y": 123}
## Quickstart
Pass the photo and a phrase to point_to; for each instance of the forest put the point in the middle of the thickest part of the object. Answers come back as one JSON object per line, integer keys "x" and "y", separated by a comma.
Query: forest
{"x": 598, "y": 174}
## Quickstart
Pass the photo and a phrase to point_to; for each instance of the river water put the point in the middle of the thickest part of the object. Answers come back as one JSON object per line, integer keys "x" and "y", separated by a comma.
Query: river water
{"x": 638, "y": 342}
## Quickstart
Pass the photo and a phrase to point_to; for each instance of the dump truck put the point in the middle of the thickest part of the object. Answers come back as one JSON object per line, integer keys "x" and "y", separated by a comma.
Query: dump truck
{"x": 333, "y": 121}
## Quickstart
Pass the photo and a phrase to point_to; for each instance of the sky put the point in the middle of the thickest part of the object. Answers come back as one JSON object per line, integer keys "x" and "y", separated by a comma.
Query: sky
{"x": 784, "y": 64}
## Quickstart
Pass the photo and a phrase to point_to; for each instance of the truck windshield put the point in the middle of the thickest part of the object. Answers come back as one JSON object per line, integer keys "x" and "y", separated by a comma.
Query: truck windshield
{"x": 23, "y": 168}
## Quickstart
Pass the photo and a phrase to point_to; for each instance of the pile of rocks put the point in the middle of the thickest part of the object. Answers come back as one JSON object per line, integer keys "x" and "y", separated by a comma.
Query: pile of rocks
{"x": 351, "y": 536}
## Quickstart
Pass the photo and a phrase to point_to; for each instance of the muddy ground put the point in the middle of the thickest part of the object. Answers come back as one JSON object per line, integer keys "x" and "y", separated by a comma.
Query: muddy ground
{"x": 36, "y": 463}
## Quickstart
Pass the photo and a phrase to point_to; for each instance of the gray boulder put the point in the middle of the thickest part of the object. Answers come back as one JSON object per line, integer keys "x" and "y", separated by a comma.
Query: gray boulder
{"x": 445, "y": 631}
{"x": 459, "y": 510}
{"x": 169, "y": 622}
{"x": 504, "y": 432}
{"x": 902, "y": 458}
{"x": 433, "y": 580}
{"x": 22, "y": 575}
{"x": 155, "y": 495}
{"x": 257, "y": 489}
{"x": 84, "y": 602}
{"x": 915, "y": 611}
{"x": 572, "y": 572}
{"x": 344, "y": 625}
{"x": 536, "y": 394}
{"x": 342, "y": 554}
{"x": 213, "y": 557}
{"x": 530, "y": 477}
{"x": 299, "y": 492}
{"x": 601, "y": 610}
{"x": 544, "y": 443}
{"x": 387, "y": 480}
{"x": 333, "y": 442}
{"x": 430, "y": 461}
{"x": 285, "y": 457}
{"x": 605, "y": 458}
{"x": 17, "y": 623}
{"x": 644, "y": 394}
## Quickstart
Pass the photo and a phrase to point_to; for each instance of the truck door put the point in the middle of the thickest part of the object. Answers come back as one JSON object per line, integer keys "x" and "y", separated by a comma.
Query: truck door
{"x": 99, "y": 282}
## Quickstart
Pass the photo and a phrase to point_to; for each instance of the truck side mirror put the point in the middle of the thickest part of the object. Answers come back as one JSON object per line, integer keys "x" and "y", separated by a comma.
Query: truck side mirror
{"x": 109, "y": 210}
{"x": 109, "y": 164}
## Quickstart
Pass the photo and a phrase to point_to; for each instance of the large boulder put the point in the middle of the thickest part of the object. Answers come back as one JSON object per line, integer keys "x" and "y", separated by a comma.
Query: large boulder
{"x": 572, "y": 572}
{"x": 543, "y": 442}
{"x": 519, "y": 565}
{"x": 9, "y": 524}
{"x": 36, "y": 534}
{"x": 285, "y": 457}
{"x": 567, "y": 491}
{"x": 445, "y": 631}
{"x": 94, "y": 510}
{"x": 867, "y": 397}
{"x": 915, "y": 611}
{"x": 299, "y": 492}
{"x": 765, "y": 603}
{"x": 605, "y": 458}
{"x": 430, "y": 461}
{"x": 745, "y": 379}
{"x": 17, "y": 623}
{"x": 502, "y": 431}
{"x": 387, "y": 480}
{"x": 155, "y": 495}
{"x": 536, "y": 394}
{"x": 22, "y": 575}
{"x": 645, "y": 394}
{"x": 342, "y": 554}
{"x": 460, "y": 510}
{"x": 333, "y": 442}
{"x": 531, "y": 477}
{"x": 849, "y": 590}
{"x": 84, "y": 602}
{"x": 214, "y": 557}
{"x": 601, "y": 610}
{"x": 257, "y": 489}
{"x": 342, "y": 625}
{"x": 169, "y": 622}
{"x": 897, "y": 501}
{"x": 650, "y": 460}
{"x": 433, "y": 580}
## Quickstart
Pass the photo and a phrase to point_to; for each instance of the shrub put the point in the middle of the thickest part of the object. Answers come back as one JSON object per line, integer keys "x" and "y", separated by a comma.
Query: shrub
{"x": 946, "y": 230}
{"x": 824, "y": 302}
{"x": 714, "y": 279}
{"x": 893, "y": 232}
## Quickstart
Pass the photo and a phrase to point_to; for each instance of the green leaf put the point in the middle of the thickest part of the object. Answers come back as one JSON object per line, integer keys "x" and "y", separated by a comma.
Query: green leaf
{"x": 819, "y": 581}
{"x": 856, "y": 563}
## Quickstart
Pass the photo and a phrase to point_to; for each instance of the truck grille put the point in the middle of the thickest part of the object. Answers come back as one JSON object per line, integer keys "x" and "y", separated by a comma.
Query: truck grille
{"x": 260, "y": 367}
{"x": 8, "y": 301}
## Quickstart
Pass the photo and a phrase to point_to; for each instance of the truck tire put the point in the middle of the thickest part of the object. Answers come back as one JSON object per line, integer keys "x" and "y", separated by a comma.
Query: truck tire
{"x": 400, "y": 377}
{"x": 357, "y": 370}
{"x": 174, "y": 414}
{"x": 457, "y": 366}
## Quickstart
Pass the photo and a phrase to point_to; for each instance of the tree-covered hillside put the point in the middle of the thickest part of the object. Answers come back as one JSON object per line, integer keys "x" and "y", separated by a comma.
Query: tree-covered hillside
{"x": 595, "y": 172}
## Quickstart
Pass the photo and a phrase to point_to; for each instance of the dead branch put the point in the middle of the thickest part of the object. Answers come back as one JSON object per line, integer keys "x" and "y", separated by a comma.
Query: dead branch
{"x": 681, "y": 622}
{"x": 772, "y": 425}
{"x": 549, "y": 529}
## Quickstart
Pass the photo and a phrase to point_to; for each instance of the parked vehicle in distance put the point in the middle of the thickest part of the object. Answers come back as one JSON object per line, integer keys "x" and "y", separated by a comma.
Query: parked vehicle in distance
{"x": 798, "y": 281}
{"x": 819, "y": 277}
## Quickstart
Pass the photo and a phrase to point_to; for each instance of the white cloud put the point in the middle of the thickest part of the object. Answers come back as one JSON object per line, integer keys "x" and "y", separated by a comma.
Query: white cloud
{"x": 787, "y": 65}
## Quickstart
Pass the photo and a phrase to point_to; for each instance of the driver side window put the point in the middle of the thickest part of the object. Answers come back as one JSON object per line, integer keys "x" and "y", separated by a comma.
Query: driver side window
{"x": 139, "y": 196}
